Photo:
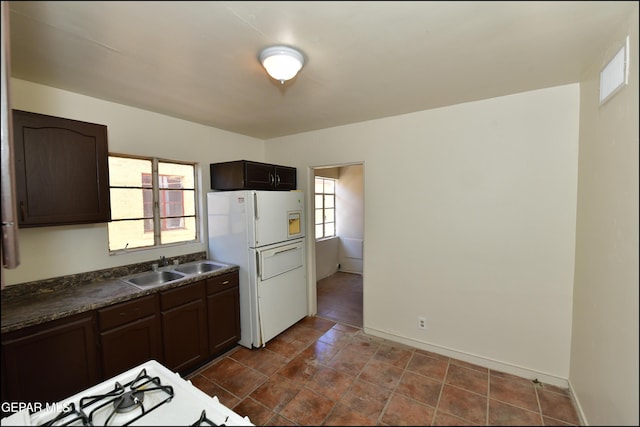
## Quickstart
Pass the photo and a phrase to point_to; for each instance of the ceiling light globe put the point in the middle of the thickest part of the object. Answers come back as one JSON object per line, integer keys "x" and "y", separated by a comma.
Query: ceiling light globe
{"x": 281, "y": 62}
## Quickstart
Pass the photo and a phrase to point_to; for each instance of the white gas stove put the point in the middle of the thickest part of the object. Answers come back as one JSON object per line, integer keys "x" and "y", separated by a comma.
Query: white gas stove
{"x": 149, "y": 394}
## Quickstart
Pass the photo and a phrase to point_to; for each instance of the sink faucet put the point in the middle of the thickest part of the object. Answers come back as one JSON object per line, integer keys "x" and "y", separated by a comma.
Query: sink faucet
{"x": 163, "y": 261}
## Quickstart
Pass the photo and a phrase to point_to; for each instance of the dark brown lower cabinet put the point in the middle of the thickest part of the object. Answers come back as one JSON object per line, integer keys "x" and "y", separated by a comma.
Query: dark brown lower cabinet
{"x": 184, "y": 326}
{"x": 181, "y": 328}
{"x": 51, "y": 361}
{"x": 130, "y": 334}
{"x": 223, "y": 311}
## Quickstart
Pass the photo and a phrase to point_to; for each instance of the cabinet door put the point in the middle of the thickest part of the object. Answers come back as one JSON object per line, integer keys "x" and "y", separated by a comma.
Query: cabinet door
{"x": 260, "y": 176}
{"x": 61, "y": 168}
{"x": 286, "y": 178}
{"x": 184, "y": 333}
{"x": 47, "y": 363}
{"x": 130, "y": 345}
{"x": 223, "y": 312}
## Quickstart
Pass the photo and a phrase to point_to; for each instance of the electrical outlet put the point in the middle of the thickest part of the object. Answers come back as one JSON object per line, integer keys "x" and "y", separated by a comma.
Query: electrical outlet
{"x": 422, "y": 323}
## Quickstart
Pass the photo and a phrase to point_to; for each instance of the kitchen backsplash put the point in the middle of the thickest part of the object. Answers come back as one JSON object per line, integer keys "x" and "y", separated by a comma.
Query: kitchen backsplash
{"x": 57, "y": 283}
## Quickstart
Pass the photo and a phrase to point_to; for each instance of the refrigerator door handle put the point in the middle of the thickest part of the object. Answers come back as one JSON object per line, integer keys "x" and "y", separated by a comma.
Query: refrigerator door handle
{"x": 255, "y": 206}
{"x": 258, "y": 264}
{"x": 284, "y": 250}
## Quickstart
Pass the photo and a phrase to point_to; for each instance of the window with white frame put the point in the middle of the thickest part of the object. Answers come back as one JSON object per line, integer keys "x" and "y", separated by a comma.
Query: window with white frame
{"x": 325, "y": 206}
{"x": 153, "y": 202}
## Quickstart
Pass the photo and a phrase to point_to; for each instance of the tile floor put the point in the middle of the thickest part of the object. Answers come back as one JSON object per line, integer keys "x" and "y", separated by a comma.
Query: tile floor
{"x": 340, "y": 298}
{"x": 326, "y": 372}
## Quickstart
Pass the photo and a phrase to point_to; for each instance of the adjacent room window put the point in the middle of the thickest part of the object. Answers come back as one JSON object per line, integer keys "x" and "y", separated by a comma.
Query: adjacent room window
{"x": 153, "y": 202}
{"x": 325, "y": 205}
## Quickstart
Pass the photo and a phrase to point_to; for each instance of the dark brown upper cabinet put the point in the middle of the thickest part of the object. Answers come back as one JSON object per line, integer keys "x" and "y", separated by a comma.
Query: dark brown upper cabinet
{"x": 246, "y": 175}
{"x": 62, "y": 170}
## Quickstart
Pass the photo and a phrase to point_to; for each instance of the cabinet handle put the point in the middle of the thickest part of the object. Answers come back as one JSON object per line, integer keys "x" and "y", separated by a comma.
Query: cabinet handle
{"x": 226, "y": 282}
{"x": 22, "y": 211}
{"x": 271, "y": 179}
{"x": 277, "y": 180}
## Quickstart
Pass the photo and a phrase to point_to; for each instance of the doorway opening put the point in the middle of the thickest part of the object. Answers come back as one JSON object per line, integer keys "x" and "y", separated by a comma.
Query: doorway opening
{"x": 338, "y": 212}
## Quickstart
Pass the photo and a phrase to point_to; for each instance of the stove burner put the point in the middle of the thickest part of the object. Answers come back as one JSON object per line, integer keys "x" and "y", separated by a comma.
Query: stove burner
{"x": 127, "y": 398}
{"x": 204, "y": 421}
{"x": 129, "y": 401}
{"x": 69, "y": 416}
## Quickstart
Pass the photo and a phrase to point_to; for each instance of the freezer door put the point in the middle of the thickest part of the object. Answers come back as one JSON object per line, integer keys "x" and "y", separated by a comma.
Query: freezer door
{"x": 278, "y": 216}
{"x": 282, "y": 289}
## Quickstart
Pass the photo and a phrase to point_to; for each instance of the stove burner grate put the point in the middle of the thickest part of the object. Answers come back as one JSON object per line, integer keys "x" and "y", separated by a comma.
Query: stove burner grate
{"x": 69, "y": 415}
{"x": 122, "y": 400}
{"x": 204, "y": 421}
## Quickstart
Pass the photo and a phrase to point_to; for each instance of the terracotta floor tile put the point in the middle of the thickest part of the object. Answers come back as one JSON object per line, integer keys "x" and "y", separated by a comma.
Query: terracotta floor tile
{"x": 234, "y": 377}
{"x": 279, "y": 420}
{"x": 335, "y": 337}
{"x": 381, "y": 373}
{"x": 256, "y": 411}
{"x": 403, "y": 411}
{"x": 503, "y": 414}
{"x": 343, "y": 415}
{"x": 464, "y": 404}
{"x": 548, "y": 421}
{"x": 350, "y": 362}
{"x": 330, "y": 383}
{"x": 444, "y": 419}
{"x": 396, "y": 356}
{"x": 286, "y": 347}
{"x": 213, "y": 389}
{"x": 262, "y": 359}
{"x": 276, "y": 393}
{"x": 418, "y": 387}
{"x": 558, "y": 406}
{"x": 320, "y": 351}
{"x": 514, "y": 391}
{"x": 317, "y": 323}
{"x": 300, "y": 369}
{"x": 430, "y": 366}
{"x": 366, "y": 398}
{"x": 307, "y": 408}
{"x": 469, "y": 365}
{"x": 468, "y": 379}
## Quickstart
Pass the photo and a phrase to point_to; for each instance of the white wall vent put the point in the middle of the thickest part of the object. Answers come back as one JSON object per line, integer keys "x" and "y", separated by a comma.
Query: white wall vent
{"x": 615, "y": 75}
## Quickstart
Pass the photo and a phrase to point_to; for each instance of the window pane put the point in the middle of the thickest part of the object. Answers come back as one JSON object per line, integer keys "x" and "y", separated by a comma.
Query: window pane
{"x": 186, "y": 232}
{"x": 319, "y": 216}
{"x": 125, "y": 172}
{"x": 131, "y": 203}
{"x": 329, "y": 186}
{"x": 329, "y": 229}
{"x": 318, "y": 201}
{"x": 319, "y": 231}
{"x": 319, "y": 185}
{"x": 176, "y": 174}
{"x": 328, "y": 201}
{"x": 128, "y": 234}
{"x": 329, "y": 215}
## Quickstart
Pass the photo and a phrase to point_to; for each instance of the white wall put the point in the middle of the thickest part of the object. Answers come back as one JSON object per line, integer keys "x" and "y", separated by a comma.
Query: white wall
{"x": 326, "y": 257}
{"x": 350, "y": 216}
{"x": 604, "y": 345}
{"x": 469, "y": 221}
{"x": 47, "y": 252}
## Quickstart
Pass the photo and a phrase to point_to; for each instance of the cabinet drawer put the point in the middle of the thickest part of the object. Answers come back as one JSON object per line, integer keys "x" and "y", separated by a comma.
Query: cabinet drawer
{"x": 181, "y": 295}
{"x": 222, "y": 282}
{"x": 126, "y": 312}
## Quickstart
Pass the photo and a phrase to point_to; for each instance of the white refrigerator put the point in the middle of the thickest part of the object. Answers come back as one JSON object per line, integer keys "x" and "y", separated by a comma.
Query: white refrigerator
{"x": 263, "y": 232}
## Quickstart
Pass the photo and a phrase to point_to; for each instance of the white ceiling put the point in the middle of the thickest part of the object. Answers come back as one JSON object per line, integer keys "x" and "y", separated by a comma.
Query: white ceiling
{"x": 364, "y": 60}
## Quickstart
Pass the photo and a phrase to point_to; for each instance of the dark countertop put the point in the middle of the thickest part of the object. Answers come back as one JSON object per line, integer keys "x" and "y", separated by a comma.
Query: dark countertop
{"x": 29, "y": 310}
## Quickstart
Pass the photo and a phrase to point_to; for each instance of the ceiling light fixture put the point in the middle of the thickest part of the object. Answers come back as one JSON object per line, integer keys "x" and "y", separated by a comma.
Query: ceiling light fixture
{"x": 281, "y": 62}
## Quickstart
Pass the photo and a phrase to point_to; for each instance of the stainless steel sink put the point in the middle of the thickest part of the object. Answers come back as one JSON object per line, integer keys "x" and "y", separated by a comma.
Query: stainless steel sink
{"x": 199, "y": 267}
{"x": 152, "y": 279}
